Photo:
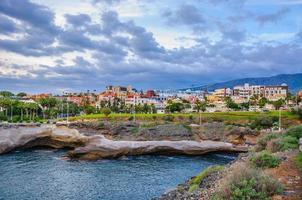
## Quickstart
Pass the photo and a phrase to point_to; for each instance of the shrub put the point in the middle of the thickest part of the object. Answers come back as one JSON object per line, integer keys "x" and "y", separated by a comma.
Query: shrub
{"x": 299, "y": 160}
{"x": 295, "y": 132}
{"x": 298, "y": 112}
{"x": 131, "y": 118}
{"x": 248, "y": 183}
{"x": 283, "y": 143}
{"x": 135, "y": 130}
{"x": 262, "y": 122}
{"x": 101, "y": 124}
{"x": 262, "y": 142}
{"x": 106, "y": 111}
{"x": 265, "y": 160}
{"x": 154, "y": 117}
{"x": 195, "y": 182}
{"x": 169, "y": 118}
{"x": 3, "y": 118}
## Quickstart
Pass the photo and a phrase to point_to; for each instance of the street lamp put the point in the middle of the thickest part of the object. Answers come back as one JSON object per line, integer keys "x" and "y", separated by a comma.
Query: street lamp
{"x": 280, "y": 119}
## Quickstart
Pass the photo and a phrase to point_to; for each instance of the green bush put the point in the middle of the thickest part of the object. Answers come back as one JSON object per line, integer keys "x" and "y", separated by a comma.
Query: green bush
{"x": 106, "y": 111}
{"x": 3, "y": 118}
{"x": 298, "y": 112}
{"x": 262, "y": 142}
{"x": 195, "y": 182}
{"x": 286, "y": 143}
{"x": 263, "y": 122}
{"x": 265, "y": 159}
{"x": 248, "y": 184}
{"x": 101, "y": 124}
{"x": 295, "y": 132}
{"x": 299, "y": 160}
{"x": 169, "y": 118}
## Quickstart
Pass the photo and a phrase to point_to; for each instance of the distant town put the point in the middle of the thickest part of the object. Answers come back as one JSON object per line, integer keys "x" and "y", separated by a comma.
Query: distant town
{"x": 126, "y": 99}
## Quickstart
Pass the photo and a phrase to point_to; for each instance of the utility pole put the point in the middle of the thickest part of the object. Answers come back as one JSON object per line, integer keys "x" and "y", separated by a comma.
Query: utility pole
{"x": 199, "y": 117}
{"x": 134, "y": 108}
{"x": 11, "y": 113}
{"x": 67, "y": 112}
{"x": 280, "y": 120}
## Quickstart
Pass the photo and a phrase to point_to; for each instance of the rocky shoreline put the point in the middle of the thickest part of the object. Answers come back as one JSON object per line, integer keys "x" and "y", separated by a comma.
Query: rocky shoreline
{"x": 99, "y": 147}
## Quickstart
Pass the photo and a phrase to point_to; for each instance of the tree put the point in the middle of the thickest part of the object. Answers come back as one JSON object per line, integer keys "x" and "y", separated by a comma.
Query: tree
{"x": 106, "y": 111}
{"x": 245, "y": 106}
{"x": 278, "y": 104}
{"x": 89, "y": 109}
{"x": 262, "y": 102}
{"x": 200, "y": 106}
{"x": 231, "y": 104}
{"x": 21, "y": 94}
{"x": 49, "y": 105}
{"x": 175, "y": 107}
{"x": 6, "y": 94}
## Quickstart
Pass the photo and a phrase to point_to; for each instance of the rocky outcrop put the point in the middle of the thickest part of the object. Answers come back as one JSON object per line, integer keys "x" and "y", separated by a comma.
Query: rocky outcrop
{"x": 46, "y": 135}
{"x": 98, "y": 147}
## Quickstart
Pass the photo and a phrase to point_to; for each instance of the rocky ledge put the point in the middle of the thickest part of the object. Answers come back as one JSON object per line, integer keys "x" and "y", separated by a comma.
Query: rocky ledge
{"x": 98, "y": 147}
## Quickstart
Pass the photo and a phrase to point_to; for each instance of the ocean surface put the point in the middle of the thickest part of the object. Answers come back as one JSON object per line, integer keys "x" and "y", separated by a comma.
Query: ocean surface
{"x": 43, "y": 174}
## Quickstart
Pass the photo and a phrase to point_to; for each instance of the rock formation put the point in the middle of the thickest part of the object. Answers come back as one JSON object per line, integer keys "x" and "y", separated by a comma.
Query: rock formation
{"x": 98, "y": 147}
{"x": 48, "y": 136}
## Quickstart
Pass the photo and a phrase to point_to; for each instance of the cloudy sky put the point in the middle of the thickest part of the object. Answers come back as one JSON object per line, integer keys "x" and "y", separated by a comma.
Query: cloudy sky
{"x": 55, "y": 46}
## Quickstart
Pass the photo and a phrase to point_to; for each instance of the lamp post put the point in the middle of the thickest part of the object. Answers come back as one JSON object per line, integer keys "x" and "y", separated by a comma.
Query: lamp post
{"x": 11, "y": 113}
{"x": 134, "y": 108}
{"x": 280, "y": 121}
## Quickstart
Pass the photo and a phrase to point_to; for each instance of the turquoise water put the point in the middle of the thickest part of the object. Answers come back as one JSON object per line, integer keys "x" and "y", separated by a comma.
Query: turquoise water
{"x": 42, "y": 174}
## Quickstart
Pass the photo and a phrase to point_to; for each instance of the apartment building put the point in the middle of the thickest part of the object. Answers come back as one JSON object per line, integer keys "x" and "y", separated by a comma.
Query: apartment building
{"x": 273, "y": 92}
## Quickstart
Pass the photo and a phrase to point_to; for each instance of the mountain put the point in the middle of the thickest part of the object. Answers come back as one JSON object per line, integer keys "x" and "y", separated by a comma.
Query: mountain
{"x": 294, "y": 81}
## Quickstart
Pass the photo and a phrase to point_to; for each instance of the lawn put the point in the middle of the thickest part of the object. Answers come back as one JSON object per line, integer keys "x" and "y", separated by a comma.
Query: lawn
{"x": 217, "y": 115}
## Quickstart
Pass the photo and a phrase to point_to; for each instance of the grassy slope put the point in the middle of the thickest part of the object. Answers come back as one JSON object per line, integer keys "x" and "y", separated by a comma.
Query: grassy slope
{"x": 220, "y": 115}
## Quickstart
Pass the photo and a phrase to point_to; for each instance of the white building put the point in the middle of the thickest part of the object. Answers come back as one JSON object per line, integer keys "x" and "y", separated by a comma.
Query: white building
{"x": 270, "y": 92}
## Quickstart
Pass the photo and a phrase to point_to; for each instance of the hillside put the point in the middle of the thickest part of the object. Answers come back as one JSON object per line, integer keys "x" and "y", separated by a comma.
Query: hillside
{"x": 294, "y": 81}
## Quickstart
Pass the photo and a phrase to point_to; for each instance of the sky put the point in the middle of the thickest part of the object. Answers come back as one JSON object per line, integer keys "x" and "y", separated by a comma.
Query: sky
{"x": 79, "y": 45}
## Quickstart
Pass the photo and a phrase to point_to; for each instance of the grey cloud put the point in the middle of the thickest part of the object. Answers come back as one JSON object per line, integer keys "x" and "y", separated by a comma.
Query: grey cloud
{"x": 186, "y": 14}
{"x": 26, "y": 11}
{"x": 274, "y": 17}
{"x": 78, "y": 20}
{"x": 7, "y": 25}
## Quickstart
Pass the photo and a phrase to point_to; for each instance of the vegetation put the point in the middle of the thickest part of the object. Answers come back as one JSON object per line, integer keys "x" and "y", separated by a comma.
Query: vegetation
{"x": 280, "y": 142}
{"x": 175, "y": 107}
{"x": 169, "y": 118}
{"x": 298, "y": 112}
{"x": 265, "y": 159}
{"x": 195, "y": 182}
{"x": 299, "y": 160}
{"x": 263, "y": 122}
{"x": 222, "y": 116}
{"x": 295, "y": 132}
{"x": 248, "y": 183}
{"x": 106, "y": 111}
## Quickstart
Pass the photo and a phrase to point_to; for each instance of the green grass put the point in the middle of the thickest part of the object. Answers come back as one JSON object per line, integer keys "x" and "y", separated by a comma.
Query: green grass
{"x": 216, "y": 115}
{"x": 195, "y": 182}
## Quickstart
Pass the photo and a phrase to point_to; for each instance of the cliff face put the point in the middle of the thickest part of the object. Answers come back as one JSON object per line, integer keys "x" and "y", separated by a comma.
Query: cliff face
{"x": 98, "y": 147}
